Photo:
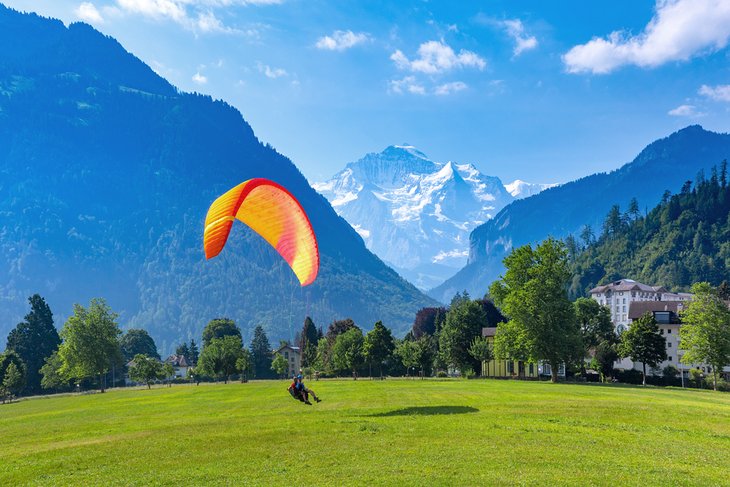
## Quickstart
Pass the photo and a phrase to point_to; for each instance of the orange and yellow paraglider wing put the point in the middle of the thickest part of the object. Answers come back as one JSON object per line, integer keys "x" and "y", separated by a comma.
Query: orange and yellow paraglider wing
{"x": 272, "y": 212}
{"x": 219, "y": 220}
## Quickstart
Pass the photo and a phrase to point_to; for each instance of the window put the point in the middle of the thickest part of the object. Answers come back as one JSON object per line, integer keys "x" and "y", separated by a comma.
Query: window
{"x": 531, "y": 369}
{"x": 661, "y": 331}
{"x": 669, "y": 330}
{"x": 669, "y": 344}
{"x": 662, "y": 317}
{"x": 624, "y": 300}
{"x": 669, "y": 358}
{"x": 624, "y": 309}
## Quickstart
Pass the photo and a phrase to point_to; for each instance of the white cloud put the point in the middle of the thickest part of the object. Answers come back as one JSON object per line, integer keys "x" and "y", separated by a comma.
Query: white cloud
{"x": 341, "y": 40}
{"x": 199, "y": 79}
{"x": 270, "y": 72}
{"x": 717, "y": 93}
{"x": 88, "y": 13}
{"x": 208, "y": 22}
{"x": 407, "y": 85}
{"x": 685, "y": 111}
{"x": 194, "y": 15}
{"x": 156, "y": 9}
{"x": 449, "y": 88}
{"x": 679, "y": 30}
{"x": 516, "y": 31}
{"x": 410, "y": 84}
{"x": 437, "y": 57}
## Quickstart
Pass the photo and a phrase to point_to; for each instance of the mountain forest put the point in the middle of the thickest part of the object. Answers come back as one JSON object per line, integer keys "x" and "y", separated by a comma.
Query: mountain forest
{"x": 683, "y": 240}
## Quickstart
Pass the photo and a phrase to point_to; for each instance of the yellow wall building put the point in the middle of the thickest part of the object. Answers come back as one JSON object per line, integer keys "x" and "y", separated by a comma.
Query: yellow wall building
{"x": 508, "y": 369}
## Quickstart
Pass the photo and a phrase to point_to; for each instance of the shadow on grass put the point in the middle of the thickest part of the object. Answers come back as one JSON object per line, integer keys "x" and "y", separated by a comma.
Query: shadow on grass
{"x": 426, "y": 411}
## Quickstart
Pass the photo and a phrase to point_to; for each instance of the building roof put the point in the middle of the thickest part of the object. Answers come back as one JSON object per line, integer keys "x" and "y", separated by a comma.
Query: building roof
{"x": 290, "y": 347}
{"x": 177, "y": 361}
{"x": 627, "y": 285}
{"x": 637, "y": 309}
{"x": 489, "y": 331}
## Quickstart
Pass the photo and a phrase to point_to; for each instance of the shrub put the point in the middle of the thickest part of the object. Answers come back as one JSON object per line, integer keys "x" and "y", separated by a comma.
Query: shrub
{"x": 630, "y": 376}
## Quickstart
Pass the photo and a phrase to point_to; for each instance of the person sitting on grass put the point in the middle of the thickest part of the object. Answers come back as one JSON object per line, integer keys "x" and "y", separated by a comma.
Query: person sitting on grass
{"x": 305, "y": 391}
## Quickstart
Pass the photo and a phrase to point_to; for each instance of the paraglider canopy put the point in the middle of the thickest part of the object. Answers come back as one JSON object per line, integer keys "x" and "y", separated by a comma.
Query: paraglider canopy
{"x": 272, "y": 212}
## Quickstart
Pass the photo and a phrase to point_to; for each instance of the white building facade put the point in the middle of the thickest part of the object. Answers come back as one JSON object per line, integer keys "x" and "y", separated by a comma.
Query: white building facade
{"x": 619, "y": 295}
{"x": 293, "y": 358}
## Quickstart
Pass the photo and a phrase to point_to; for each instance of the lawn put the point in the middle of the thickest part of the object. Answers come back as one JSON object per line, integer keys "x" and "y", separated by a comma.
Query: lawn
{"x": 393, "y": 432}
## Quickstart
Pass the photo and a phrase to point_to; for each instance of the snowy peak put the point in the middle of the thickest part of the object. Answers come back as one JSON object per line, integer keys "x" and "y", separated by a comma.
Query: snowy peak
{"x": 407, "y": 148}
{"x": 415, "y": 213}
{"x": 390, "y": 167}
{"x": 521, "y": 189}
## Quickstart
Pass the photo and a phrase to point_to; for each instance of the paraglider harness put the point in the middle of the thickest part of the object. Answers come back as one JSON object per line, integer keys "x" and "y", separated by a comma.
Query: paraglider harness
{"x": 296, "y": 390}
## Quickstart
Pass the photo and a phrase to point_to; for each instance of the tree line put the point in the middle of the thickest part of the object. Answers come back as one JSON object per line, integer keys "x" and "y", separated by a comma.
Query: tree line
{"x": 530, "y": 306}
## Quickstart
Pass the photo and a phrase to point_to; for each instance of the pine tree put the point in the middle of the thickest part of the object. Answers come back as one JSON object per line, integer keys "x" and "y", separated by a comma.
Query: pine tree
{"x": 194, "y": 352}
{"x": 261, "y": 354}
{"x": 34, "y": 340}
{"x": 308, "y": 342}
{"x": 634, "y": 211}
{"x": 182, "y": 350}
{"x": 587, "y": 235}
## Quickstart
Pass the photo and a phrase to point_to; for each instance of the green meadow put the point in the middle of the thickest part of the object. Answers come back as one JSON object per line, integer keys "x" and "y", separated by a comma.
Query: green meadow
{"x": 392, "y": 432}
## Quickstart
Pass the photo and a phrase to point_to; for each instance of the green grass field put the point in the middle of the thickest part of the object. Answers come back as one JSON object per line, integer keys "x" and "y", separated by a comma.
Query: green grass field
{"x": 393, "y": 432}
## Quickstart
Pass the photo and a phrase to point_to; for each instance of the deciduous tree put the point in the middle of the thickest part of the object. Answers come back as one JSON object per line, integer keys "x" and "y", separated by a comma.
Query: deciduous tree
{"x": 13, "y": 381}
{"x": 219, "y": 328}
{"x": 705, "y": 331}
{"x": 481, "y": 350}
{"x": 347, "y": 351}
{"x": 378, "y": 346}
{"x": 464, "y": 322}
{"x": 279, "y": 365}
{"x": 146, "y": 369}
{"x": 52, "y": 378}
{"x": 220, "y": 356}
{"x": 137, "y": 341}
{"x": 244, "y": 365}
{"x": 90, "y": 341}
{"x": 533, "y": 295}
{"x": 643, "y": 343}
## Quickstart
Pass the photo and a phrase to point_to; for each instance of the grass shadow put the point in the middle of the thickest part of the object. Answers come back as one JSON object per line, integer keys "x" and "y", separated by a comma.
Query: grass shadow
{"x": 426, "y": 411}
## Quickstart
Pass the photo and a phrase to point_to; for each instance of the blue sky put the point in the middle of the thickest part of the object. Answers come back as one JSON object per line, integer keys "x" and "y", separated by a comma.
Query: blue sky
{"x": 536, "y": 90}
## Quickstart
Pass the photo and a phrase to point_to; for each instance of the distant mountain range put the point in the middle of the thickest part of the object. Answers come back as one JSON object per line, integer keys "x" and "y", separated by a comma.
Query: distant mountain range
{"x": 106, "y": 174}
{"x": 663, "y": 165}
{"x": 415, "y": 213}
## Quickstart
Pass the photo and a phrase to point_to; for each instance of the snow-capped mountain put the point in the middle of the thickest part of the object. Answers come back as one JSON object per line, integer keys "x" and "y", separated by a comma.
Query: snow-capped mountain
{"x": 414, "y": 213}
{"x": 522, "y": 189}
